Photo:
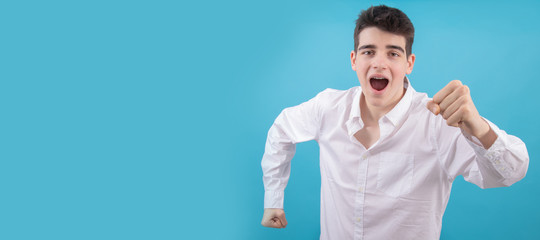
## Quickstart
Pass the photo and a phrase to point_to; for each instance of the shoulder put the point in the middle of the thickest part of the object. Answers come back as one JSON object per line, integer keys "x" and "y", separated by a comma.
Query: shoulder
{"x": 419, "y": 111}
{"x": 419, "y": 102}
{"x": 334, "y": 97}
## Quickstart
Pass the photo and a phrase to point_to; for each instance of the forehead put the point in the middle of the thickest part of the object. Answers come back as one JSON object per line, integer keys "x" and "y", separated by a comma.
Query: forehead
{"x": 376, "y": 36}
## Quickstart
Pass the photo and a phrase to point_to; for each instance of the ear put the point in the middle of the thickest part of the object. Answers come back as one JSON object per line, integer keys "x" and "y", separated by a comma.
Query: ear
{"x": 353, "y": 60}
{"x": 410, "y": 63}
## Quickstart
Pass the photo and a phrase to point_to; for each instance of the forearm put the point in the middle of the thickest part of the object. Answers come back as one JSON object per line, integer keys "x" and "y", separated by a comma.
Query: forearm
{"x": 502, "y": 159}
{"x": 279, "y": 151}
{"x": 487, "y": 136}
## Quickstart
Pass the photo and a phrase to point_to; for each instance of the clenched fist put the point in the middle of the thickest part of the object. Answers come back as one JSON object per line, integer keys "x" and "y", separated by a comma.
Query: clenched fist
{"x": 455, "y": 104}
{"x": 274, "y": 218}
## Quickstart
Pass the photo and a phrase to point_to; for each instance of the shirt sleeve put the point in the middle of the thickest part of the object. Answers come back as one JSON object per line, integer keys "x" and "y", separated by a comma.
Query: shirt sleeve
{"x": 502, "y": 165}
{"x": 293, "y": 125}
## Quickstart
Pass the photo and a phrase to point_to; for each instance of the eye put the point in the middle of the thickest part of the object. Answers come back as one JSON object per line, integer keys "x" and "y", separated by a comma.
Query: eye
{"x": 368, "y": 52}
{"x": 394, "y": 54}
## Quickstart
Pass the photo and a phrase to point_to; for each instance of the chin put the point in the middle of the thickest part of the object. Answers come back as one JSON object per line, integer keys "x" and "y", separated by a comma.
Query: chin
{"x": 377, "y": 101}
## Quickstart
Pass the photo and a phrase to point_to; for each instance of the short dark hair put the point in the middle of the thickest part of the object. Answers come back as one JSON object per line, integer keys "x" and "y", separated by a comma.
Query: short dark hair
{"x": 387, "y": 19}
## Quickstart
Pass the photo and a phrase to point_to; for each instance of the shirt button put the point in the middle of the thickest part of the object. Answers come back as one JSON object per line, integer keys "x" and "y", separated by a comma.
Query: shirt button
{"x": 360, "y": 189}
{"x": 358, "y": 219}
{"x": 364, "y": 157}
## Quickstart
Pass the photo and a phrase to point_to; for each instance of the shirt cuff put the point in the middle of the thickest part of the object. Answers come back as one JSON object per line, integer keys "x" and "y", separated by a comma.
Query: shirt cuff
{"x": 495, "y": 153}
{"x": 477, "y": 145}
{"x": 273, "y": 199}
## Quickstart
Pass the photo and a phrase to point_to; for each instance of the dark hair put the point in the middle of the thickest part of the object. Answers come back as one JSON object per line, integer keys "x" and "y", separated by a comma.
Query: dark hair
{"x": 387, "y": 19}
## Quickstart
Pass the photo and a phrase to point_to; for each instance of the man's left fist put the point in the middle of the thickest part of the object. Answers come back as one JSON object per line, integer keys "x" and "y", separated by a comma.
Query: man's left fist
{"x": 455, "y": 104}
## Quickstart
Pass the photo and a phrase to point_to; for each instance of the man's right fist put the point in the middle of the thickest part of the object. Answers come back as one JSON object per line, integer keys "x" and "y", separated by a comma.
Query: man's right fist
{"x": 274, "y": 218}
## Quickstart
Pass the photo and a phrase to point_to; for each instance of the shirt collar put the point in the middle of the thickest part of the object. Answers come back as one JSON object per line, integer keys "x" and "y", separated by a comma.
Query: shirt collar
{"x": 394, "y": 116}
{"x": 399, "y": 111}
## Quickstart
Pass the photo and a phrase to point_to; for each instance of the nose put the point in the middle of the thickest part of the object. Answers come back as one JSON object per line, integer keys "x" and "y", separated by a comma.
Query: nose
{"x": 380, "y": 62}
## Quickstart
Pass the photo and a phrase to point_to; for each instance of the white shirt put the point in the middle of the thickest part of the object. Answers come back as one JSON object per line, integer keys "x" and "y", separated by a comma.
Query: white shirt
{"x": 399, "y": 187}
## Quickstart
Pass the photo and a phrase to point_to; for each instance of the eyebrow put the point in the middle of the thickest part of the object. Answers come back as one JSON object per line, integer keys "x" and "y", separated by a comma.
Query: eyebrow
{"x": 395, "y": 47}
{"x": 387, "y": 47}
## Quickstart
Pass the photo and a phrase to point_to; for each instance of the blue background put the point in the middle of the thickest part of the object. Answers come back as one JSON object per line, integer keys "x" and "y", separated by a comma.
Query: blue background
{"x": 147, "y": 119}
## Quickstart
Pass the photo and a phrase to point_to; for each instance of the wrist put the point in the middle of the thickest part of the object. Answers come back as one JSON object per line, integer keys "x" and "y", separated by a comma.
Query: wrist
{"x": 482, "y": 130}
{"x": 486, "y": 135}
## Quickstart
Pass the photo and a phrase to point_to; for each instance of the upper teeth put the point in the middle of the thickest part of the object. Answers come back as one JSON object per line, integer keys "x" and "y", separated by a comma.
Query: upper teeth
{"x": 379, "y": 77}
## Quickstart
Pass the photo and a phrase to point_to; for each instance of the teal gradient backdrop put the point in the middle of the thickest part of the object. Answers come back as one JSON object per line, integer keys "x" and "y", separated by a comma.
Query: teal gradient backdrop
{"x": 147, "y": 119}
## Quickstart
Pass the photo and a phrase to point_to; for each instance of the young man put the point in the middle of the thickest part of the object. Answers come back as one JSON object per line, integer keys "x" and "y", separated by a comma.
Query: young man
{"x": 388, "y": 154}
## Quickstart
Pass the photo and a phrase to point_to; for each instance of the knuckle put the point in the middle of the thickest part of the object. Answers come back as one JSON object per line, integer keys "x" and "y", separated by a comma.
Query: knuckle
{"x": 466, "y": 111}
{"x": 466, "y": 101}
{"x": 446, "y": 115}
{"x": 456, "y": 83}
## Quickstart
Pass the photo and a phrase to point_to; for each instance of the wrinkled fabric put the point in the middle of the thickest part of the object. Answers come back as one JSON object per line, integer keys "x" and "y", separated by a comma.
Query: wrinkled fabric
{"x": 400, "y": 186}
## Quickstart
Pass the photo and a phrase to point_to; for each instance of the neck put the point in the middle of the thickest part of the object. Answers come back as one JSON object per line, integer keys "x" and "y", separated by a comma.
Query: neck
{"x": 371, "y": 114}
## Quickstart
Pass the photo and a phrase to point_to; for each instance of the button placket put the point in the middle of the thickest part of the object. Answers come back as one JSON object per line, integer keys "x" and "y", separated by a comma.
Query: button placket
{"x": 359, "y": 198}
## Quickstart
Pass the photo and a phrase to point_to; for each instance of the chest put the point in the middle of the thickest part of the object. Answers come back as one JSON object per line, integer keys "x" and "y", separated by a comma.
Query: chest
{"x": 393, "y": 164}
{"x": 367, "y": 136}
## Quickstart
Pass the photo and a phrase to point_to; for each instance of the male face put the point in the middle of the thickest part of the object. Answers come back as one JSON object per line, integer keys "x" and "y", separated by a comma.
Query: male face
{"x": 381, "y": 64}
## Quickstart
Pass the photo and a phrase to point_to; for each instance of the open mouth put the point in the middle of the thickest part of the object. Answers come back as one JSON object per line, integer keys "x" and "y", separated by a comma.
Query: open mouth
{"x": 378, "y": 83}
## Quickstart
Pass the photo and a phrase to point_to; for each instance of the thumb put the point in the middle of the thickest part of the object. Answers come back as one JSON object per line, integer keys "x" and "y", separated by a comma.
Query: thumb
{"x": 433, "y": 107}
